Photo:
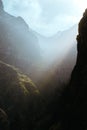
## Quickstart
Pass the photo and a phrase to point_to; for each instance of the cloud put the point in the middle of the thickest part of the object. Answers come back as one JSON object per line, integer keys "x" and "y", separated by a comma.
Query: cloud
{"x": 47, "y": 16}
{"x": 51, "y": 8}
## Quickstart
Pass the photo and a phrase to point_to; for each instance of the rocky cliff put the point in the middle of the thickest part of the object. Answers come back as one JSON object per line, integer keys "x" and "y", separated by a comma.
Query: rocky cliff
{"x": 74, "y": 99}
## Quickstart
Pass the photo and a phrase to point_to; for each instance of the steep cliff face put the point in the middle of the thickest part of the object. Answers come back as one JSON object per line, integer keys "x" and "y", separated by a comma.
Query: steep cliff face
{"x": 79, "y": 74}
{"x": 74, "y": 99}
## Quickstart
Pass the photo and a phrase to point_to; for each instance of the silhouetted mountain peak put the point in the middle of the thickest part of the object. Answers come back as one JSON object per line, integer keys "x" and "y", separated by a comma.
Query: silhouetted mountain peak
{"x": 74, "y": 100}
{"x": 85, "y": 13}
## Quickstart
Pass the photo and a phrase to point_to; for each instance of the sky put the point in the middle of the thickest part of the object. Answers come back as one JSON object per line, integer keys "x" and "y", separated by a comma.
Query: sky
{"x": 47, "y": 17}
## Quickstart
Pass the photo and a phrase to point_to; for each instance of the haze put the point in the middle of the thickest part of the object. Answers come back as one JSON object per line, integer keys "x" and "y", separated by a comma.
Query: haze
{"x": 47, "y": 17}
{"x": 57, "y": 20}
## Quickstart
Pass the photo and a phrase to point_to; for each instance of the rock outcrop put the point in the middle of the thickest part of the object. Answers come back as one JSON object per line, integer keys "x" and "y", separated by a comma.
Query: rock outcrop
{"x": 74, "y": 100}
{"x": 19, "y": 98}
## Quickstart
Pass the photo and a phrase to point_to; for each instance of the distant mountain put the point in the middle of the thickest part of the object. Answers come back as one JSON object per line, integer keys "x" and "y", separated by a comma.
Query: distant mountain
{"x": 59, "y": 54}
{"x": 57, "y": 46}
{"x": 18, "y": 44}
{"x": 28, "y": 50}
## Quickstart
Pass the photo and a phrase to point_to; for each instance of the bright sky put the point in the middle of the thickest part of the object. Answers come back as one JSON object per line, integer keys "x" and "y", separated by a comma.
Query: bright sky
{"x": 47, "y": 16}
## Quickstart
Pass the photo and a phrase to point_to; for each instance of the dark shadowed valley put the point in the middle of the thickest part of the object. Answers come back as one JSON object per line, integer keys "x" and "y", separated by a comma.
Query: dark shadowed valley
{"x": 43, "y": 82}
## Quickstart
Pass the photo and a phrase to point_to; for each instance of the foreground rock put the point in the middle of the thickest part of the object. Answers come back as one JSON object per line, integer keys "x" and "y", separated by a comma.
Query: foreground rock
{"x": 19, "y": 98}
{"x": 4, "y": 123}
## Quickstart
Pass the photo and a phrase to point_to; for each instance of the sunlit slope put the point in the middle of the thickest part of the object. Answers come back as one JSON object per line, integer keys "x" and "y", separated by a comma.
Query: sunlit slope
{"x": 19, "y": 97}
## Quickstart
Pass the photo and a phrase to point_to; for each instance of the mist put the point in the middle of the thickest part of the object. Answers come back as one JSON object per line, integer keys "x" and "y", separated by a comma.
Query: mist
{"x": 42, "y": 72}
{"x": 53, "y": 30}
{"x": 35, "y": 54}
{"x": 47, "y": 17}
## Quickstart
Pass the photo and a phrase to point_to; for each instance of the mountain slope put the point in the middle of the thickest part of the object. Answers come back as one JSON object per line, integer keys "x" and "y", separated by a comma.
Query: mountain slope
{"x": 17, "y": 94}
{"x": 18, "y": 44}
